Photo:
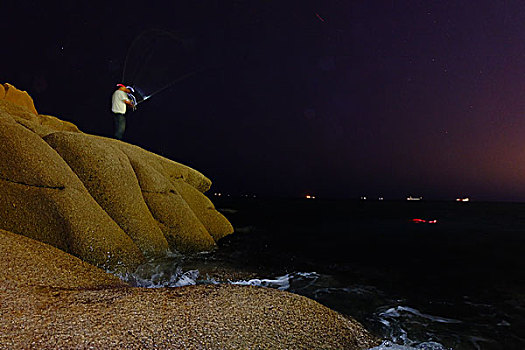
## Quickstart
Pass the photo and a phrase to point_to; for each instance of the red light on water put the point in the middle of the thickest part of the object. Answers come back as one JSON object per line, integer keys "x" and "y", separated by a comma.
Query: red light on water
{"x": 421, "y": 221}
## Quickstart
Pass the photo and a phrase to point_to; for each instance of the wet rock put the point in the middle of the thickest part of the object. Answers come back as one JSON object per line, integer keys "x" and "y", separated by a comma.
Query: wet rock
{"x": 53, "y": 300}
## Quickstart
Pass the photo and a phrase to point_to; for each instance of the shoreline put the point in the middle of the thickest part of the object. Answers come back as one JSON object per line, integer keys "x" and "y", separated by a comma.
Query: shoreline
{"x": 52, "y": 299}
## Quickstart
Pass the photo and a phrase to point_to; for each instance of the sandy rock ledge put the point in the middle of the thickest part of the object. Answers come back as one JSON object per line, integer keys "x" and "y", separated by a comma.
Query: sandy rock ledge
{"x": 51, "y": 299}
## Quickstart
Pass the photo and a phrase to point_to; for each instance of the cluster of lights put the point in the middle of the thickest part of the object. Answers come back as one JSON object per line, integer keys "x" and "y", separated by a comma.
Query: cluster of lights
{"x": 364, "y": 198}
{"x": 219, "y": 194}
{"x": 410, "y": 198}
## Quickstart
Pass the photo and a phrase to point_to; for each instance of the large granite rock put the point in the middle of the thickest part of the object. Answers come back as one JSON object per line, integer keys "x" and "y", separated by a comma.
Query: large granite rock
{"x": 51, "y": 299}
{"x": 108, "y": 202}
{"x": 109, "y": 177}
{"x": 68, "y": 199}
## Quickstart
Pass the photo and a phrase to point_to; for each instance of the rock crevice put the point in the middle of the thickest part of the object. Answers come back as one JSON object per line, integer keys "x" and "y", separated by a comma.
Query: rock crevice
{"x": 33, "y": 185}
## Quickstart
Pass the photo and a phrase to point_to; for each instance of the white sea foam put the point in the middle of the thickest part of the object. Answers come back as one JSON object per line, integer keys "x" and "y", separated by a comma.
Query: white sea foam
{"x": 281, "y": 283}
{"x": 402, "y": 324}
{"x": 161, "y": 279}
{"x": 305, "y": 279}
{"x": 355, "y": 290}
{"x": 422, "y": 346}
{"x": 227, "y": 210}
{"x": 313, "y": 284}
{"x": 398, "y": 311}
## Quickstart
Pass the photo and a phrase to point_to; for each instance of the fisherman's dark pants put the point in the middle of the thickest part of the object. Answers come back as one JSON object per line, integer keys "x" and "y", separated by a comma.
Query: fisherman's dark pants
{"x": 120, "y": 125}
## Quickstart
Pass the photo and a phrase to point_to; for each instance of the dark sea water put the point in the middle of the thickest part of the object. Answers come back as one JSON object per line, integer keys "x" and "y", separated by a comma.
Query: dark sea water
{"x": 458, "y": 283}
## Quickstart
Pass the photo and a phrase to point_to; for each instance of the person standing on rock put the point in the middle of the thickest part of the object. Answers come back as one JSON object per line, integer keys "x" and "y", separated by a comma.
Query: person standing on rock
{"x": 119, "y": 101}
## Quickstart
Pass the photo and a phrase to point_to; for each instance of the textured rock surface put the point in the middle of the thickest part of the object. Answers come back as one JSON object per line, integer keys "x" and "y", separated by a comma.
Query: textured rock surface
{"x": 53, "y": 300}
{"x": 108, "y": 202}
{"x": 42, "y": 198}
{"x": 26, "y": 262}
{"x": 20, "y": 98}
{"x": 108, "y": 176}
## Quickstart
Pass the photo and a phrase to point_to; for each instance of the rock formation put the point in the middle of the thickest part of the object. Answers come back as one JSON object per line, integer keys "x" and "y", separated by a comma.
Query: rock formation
{"x": 107, "y": 202}
{"x": 113, "y": 205}
{"x": 51, "y": 299}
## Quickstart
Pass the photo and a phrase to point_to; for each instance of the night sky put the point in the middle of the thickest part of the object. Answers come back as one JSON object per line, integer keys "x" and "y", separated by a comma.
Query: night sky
{"x": 333, "y": 98}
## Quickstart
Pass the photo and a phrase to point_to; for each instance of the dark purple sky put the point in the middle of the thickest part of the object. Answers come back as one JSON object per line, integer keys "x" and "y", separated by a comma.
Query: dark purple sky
{"x": 337, "y": 98}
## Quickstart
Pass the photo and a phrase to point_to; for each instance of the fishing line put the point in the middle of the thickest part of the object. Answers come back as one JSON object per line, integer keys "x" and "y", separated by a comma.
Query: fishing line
{"x": 156, "y": 57}
{"x": 185, "y": 76}
{"x": 148, "y": 52}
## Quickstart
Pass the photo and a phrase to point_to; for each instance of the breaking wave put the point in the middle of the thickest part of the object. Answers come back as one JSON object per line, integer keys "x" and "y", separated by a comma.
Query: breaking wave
{"x": 161, "y": 280}
{"x": 298, "y": 279}
{"x": 403, "y": 326}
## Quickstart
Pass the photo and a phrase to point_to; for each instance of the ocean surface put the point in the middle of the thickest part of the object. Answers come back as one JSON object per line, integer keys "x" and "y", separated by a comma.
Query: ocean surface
{"x": 454, "y": 278}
